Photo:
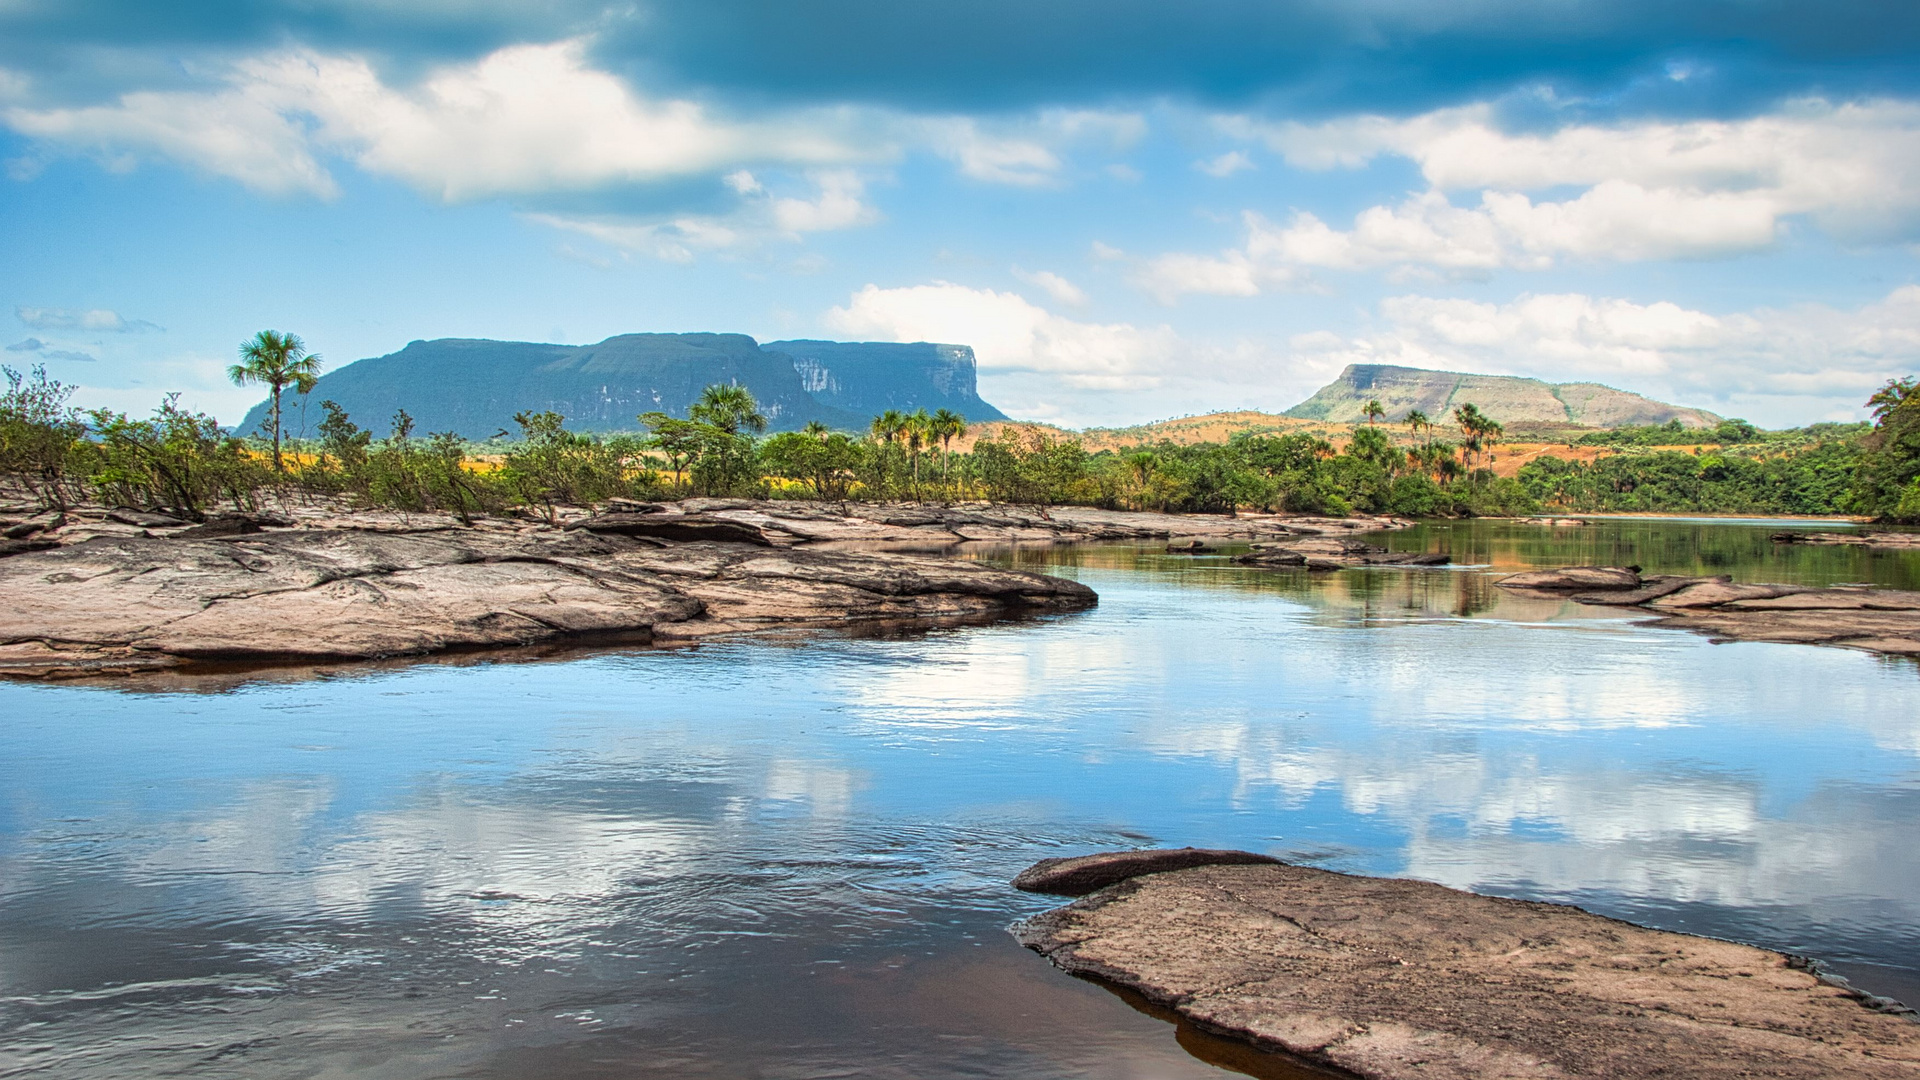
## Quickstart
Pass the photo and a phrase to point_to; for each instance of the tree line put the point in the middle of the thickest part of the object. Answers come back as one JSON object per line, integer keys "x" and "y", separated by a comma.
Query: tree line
{"x": 185, "y": 462}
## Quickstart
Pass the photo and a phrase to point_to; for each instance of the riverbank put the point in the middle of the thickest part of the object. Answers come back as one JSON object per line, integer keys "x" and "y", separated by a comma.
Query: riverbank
{"x": 1393, "y": 979}
{"x": 120, "y": 591}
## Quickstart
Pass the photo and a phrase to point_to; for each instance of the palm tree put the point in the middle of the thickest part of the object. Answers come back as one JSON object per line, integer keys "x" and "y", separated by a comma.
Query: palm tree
{"x": 276, "y": 361}
{"x": 1479, "y": 429}
{"x": 946, "y": 426}
{"x": 888, "y": 425}
{"x": 1373, "y": 409}
{"x": 729, "y": 407}
{"x": 918, "y": 432}
{"x": 1417, "y": 420}
{"x": 816, "y": 429}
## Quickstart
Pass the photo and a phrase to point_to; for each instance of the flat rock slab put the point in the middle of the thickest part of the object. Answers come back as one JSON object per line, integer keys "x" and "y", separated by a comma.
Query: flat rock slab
{"x": 1897, "y": 541}
{"x": 1397, "y": 980}
{"x": 132, "y": 603}
{"x": 1327, "y": 552}
{"x": 1079, "y": 875}
{"x": 1575, "y": 579}
{"x": 1883, "y": 621}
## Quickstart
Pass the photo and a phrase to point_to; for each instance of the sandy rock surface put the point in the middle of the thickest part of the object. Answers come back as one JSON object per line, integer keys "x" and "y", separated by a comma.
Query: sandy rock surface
{"x": 129, "y": 603}
{"x": 1397, "y": 980}
{"x": 1871, "y": 619}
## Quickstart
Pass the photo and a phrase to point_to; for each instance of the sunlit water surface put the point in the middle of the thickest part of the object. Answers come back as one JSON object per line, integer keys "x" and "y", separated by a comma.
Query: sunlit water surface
{"x": 788, "y": 857}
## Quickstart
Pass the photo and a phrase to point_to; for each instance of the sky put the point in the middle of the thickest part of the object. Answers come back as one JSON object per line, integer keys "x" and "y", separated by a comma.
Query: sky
{"x": 1130, "y": 210}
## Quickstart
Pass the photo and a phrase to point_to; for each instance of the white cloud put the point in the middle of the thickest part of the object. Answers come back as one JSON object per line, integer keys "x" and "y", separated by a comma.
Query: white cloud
{"x": 1226, "y": 164}
{"x": 1008, "y": 333}
{"x": 1774, "y": 365}
{"x": 839, "y": 205}
{"x": 1062, "y": 290}
{"x": 758, "y": 218}
{"x": 1427, "y": 232}
{"x": 1654, "y": 189}
{"x": 996, "y": 159}
{"x": 528, "y": 118}
{"x": 95, "y": 319}
{"x": 1263, "y": 263}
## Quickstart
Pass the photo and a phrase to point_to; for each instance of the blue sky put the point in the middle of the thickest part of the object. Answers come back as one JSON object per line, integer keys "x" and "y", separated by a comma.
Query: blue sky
{"x": 1131, "y": 210}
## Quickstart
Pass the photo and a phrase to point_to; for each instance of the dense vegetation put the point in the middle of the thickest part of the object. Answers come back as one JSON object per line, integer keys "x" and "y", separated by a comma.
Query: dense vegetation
{"x": 183, "y": 461}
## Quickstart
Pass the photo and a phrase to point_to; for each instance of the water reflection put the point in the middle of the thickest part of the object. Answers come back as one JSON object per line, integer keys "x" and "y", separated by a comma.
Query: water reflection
{"x": 788, "y": 857}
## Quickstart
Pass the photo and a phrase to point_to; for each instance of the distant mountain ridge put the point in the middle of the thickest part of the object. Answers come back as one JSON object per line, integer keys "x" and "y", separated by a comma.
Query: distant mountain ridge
{"x": 1508, "y": 399}
{"x": 473, "y": 387}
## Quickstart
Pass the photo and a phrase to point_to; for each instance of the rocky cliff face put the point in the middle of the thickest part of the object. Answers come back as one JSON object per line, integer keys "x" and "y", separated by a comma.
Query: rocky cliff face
{"x": 1507, "y": 399}
{"x": 474, "y": 387}
{"x": 873, "y": 376}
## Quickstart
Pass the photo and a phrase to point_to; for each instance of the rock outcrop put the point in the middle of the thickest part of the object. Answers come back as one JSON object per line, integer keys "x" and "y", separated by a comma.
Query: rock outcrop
{"x": 1397, "y": 980}
{"x": 124, "y": 603}
{"x": 1895, "y": 541}
{"x": 1506, "y": 398}
{"x": 1855, "y": 617}
{"x": 1079, "y": 875}
{"x": 1334, "y": 553}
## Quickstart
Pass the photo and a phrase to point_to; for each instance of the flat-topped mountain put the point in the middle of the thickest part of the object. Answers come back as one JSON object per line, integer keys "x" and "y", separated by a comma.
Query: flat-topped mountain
{"x": 474, "y": 387}
{"x": 1508, "y": 399}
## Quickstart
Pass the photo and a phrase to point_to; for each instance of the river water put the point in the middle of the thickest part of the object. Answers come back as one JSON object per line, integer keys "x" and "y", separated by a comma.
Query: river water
{"x": 786, "y": 857}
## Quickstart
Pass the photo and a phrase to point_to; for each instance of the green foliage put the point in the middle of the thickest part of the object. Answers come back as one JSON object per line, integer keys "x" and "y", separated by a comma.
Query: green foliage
{"x": 42, "y": 437}
{"x": 555, "y": 467}
{"x": 1674, "y": 433}
{"x": 177, "y": 459}
{"x": 714, "y": 448}
{"x": 1886, "y": 483}
{"x": 826, "y": 461}
{"x": 1812, "y": 480}
{"x": 184, "y": 461}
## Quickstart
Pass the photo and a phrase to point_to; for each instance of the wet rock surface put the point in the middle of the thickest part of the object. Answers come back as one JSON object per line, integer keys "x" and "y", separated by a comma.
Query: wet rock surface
{"x": 1898, "y": 541}
{"x": 127, "y": 603}
{"x": 1081, "y": 874}
{"x": 1334, "y": 553}
{"x": 1856, "y": 617}
{"x": 1396, "y": 979}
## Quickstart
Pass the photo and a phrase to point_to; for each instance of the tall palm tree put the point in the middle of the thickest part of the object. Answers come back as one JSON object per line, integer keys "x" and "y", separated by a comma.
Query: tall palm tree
{"x": 1479, "y": 429}
{"x": 729, "y": 407}
{"x": 276, "y": 361}
{"x": 1373, "y": 409}
{"x": 1417, "y": 420}
{"x": 946, "y": 426}
{"x": 888, "y": 426}
{"x": 918, "y": 433}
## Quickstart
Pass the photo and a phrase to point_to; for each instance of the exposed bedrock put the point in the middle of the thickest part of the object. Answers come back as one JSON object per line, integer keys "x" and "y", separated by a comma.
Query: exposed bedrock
{"x": 1856, "y": 617}
{"x": 1334, "y": 553}
{"x": 129, "y": 603}
{"x": 1396, "y": 980}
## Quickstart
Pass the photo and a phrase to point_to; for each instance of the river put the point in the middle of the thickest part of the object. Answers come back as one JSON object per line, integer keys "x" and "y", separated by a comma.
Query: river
{"x": 786, "y": 857}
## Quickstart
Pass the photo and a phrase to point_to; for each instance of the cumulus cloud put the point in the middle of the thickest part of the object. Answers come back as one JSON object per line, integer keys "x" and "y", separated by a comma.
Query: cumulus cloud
{"x": 527, "y": 118}
{"x": 1427, "y": 235}
{"x": 1009, "y": 333}
{"x": 95, "y": 319}
{"x": 1776, "y": 365}
{"x": 1062, "y": 290}
{"x": 1651, "y": 189}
